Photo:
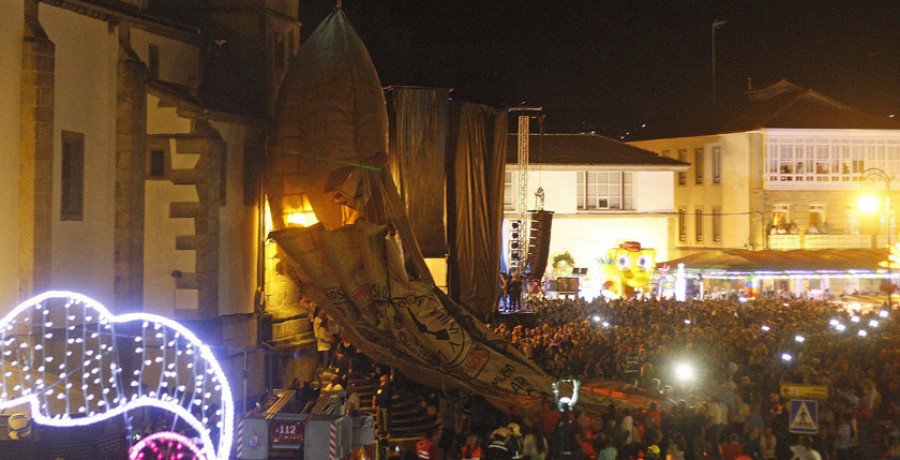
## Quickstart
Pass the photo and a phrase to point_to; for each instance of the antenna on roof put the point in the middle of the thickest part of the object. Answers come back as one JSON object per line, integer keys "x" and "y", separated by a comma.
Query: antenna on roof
{"x": 715, "y": 25}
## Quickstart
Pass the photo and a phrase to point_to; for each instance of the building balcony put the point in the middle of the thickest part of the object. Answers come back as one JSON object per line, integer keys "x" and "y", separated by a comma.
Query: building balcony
{"x": 788, "y": 242}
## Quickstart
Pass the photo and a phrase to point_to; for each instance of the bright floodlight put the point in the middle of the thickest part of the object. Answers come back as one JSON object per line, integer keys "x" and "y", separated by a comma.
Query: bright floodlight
{"x": 840, "y": 327}
{"x": 799, "y": 338}
{"x": 766, "y": 328}
{"x": 854, "y": 318}
{"x": 873, "y": 323}
{"x": 869, "y": 204}
{"x": 862, "y": 333}
{"x": 786, "y": 357}
{"x": 596, "y": 318}
{"x": 834, "y": 322}
{"x": 883, "y": 313}
{"x": 684, "y": 372}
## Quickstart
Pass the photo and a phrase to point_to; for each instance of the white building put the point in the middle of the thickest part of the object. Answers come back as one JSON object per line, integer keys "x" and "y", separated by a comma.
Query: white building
{"x": 603, "y": 193}
{"x": 785, "y": 171}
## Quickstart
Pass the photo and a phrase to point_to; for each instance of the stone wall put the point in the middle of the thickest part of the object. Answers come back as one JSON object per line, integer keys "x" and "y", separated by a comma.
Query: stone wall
{"x": 36, "y": 157}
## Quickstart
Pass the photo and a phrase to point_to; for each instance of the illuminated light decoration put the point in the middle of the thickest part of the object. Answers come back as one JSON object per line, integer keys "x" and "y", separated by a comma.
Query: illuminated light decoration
{"x": 596, "y": 318}
{"x": 87, "y": 326}
{"x": 873, "y": 323}
{"x": 799, "y": 338}
{"x": 854, "y": 319}
{"x": 687, "y": 321}
{"x": 834, "y": 322}
{"x": 766, "y": 328}
{"x": 164, "y": 444}
{"x": 840, "y": 328}
{"x": 786, "y": 357}
{"x": 883, "y": 313}
{"x": 862, "y": 333}
{"x": 605, "y": 324}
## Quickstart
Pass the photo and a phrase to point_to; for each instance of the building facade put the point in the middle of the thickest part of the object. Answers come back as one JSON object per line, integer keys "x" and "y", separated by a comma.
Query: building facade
{"x": 786, "y": 171}
{"x": 602, "y": 192}
{"x": 128, "y": 176}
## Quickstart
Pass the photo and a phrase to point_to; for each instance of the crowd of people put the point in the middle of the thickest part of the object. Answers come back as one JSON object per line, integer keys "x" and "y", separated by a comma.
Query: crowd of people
{"x": 740, "y": 353}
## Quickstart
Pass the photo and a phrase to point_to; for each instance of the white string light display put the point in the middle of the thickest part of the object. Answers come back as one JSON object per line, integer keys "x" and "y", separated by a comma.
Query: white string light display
{"x": 75, "y": 364}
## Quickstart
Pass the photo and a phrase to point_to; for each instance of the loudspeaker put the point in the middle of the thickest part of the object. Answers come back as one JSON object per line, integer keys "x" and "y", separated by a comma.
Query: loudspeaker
{"x": 538, "y": 244}
{"x": 514, "y": 244}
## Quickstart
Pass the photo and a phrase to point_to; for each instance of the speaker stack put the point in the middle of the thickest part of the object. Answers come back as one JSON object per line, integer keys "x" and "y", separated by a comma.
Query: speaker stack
{"x": 538, "y": 244}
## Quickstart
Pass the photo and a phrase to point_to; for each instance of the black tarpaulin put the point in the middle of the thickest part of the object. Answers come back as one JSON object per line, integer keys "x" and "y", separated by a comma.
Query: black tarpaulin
{"x": 418, "y": 143}
{"x": 475, "y": 207}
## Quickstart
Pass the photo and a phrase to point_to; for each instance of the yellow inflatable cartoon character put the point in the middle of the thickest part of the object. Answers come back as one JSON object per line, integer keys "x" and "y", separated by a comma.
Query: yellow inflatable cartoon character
{"x": 629, "y": 269}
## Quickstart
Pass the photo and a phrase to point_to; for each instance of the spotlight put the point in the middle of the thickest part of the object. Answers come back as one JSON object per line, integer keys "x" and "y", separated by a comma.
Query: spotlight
{"x": 684, "y": 372}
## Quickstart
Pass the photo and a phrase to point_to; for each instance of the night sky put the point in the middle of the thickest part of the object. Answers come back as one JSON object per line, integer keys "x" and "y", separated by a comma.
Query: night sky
{"x": 610, "y": 67}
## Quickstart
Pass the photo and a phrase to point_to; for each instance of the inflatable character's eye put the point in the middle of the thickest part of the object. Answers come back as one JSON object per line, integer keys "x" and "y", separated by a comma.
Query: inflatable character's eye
{"x": 643, "y": 261}
{"x": 623, "y": 262}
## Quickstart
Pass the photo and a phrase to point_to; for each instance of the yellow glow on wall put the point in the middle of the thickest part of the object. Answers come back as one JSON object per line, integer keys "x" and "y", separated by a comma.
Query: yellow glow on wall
{"x": 302, "y": 218}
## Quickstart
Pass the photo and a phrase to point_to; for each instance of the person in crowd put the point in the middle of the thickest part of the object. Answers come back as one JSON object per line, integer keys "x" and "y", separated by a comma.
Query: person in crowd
{"x": 515, "y": 441}
{"x": 535, "y": 446}
{"x": 497, "y": 449}
{"x": 733, "y": 448}
{"x": 323, "y": 338}
{"x": 804, "y": 451}
{"x": 768, "y": 444}
{"x": 381, "y": 404}
{"x": 471, "y": 450}
{"x": 425, "y": 449}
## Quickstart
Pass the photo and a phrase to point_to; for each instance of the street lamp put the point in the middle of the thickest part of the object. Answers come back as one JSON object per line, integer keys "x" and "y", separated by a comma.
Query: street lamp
{"x": 869, "y": 176}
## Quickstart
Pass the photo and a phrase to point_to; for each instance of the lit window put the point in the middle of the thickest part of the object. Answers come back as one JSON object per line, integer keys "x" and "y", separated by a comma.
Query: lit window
{"x": 717, "y": 224}
{"x": 717, "y": 164}
{"x": 599, "y": 190}
{"x": 817, "y": 218}
{"x": 698, "y": 166}
{"x": 508, "y": 192}
{"x": 781, "y": 215}
{"x": 698, "y": 224}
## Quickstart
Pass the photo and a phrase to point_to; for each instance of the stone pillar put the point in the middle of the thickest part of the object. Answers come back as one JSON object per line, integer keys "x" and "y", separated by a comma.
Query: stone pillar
{"x": 36, "y": 153}
{"x": 131, "y": 165}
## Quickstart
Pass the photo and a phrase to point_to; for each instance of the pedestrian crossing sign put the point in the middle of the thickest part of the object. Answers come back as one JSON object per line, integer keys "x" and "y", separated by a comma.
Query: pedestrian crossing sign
{"x": 804, "y": 416}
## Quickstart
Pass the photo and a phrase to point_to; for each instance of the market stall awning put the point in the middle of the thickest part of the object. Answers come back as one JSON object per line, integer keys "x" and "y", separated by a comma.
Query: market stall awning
{"x": 744, "y": 261}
